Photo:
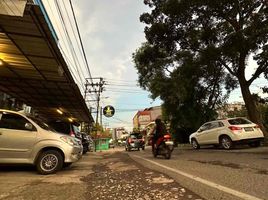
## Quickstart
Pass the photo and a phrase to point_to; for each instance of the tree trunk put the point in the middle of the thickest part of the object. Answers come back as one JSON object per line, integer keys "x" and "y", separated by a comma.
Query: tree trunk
{"x": 251, "y": 104}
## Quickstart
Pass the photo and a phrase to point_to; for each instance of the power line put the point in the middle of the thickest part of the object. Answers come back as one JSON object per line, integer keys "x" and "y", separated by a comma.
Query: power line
{"x": 123, "y": 85}
{"x": 80, "y": 39}
{"x": 122, "y": 91}
{"x": 76, "y": 62}
{"x": 120, "y": 80}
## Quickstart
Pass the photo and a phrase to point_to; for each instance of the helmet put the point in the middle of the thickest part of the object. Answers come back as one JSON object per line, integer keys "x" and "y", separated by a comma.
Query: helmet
{"x": 158, "y": 121}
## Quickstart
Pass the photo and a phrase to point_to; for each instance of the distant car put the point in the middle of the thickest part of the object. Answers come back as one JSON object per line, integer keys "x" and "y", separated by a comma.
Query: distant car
{"x": 226, "y": 133}
{"x": 86, "y": 142}
{"x": 27, "y": 140}
{"x": 111, "y": 143}
{"x": 135, "y": 141}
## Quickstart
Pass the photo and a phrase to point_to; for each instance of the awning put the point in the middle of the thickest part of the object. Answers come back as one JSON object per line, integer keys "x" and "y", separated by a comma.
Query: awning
{"x": 34, "y": 70}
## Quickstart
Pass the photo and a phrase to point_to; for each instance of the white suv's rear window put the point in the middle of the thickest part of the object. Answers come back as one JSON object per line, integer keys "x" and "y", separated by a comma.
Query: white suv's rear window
{"x": 239, "y": 121}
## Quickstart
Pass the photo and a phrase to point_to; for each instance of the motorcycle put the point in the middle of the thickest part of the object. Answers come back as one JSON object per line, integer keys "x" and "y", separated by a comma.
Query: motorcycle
{"x": 164, "y": 146}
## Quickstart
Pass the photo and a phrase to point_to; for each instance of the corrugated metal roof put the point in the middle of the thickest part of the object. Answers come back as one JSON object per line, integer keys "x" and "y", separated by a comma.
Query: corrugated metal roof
{"x": 35, "y": 71}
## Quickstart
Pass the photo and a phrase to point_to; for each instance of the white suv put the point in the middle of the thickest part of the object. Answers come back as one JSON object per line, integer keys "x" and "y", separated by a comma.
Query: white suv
{"x": 226, "y": 133}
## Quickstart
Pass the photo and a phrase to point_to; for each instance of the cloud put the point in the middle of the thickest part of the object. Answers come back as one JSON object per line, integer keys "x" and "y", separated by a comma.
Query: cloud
{"x": 111, "y": 32}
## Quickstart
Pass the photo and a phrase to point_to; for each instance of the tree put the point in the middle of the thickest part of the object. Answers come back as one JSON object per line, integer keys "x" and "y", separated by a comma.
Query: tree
{"x": 218, "y": 36}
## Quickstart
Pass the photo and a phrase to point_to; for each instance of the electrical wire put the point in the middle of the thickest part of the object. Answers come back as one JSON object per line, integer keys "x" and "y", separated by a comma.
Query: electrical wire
{"x": 120, "y": 80}
{"x": 72, "y": 28}
{"x": 74, "y": 56}
{"x": 85, "y": 58}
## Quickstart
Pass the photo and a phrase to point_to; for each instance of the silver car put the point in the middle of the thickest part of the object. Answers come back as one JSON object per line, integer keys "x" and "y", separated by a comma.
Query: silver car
{"x": 27, "y": 140}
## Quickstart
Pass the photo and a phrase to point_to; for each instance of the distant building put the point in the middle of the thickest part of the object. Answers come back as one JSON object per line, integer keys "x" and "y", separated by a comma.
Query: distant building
{"x": 235, "y": 106}
{"x": 144, "y": 117}
{"x": 119, "y": 133}
{"x": 155, "y": 112}
{"x": 141, "y": 119}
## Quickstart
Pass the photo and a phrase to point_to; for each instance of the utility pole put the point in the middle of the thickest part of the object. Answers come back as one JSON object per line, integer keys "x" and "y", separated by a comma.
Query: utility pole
{"x": 97, "y": 88}
{"x": 101, "y": 116}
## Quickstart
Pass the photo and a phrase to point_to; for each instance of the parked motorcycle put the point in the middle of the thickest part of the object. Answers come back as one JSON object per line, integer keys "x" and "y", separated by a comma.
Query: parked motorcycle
{"x": 164, "y": 146}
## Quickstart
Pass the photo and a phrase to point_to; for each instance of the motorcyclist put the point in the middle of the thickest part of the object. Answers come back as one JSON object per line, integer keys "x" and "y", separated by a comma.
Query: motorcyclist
{"x": 158, "y": 132}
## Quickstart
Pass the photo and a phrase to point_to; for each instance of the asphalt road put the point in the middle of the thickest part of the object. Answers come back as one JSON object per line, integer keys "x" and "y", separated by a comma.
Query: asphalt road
{"x": 204, "y": 174}
{"x": 240, "y": 173}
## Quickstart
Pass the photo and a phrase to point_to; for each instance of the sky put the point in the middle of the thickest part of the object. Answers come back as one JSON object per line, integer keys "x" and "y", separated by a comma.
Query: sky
{"x": 111, "y": 32}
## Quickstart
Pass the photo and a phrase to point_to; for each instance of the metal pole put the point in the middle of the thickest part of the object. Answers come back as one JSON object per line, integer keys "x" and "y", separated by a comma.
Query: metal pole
{"x": 98, "y": 98}
{"x": 101, "y": 116}
{"x": 98, "y": 104}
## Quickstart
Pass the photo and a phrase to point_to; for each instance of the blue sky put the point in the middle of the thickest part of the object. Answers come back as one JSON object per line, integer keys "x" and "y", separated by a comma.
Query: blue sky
{"x": 111, "y": 32}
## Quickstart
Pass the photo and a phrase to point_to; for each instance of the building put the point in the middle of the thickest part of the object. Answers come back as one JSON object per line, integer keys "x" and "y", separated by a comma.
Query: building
{"x": 146, "y": 116}
{"x": 120, "y": 133}
{"x": 235, "y": 106}
{"x": 155, "y": 112}
{"x": 141, "y": 119}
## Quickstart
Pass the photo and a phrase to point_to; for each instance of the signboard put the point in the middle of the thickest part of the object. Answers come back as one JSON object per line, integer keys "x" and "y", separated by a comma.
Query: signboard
{"x": 108, "y": 111}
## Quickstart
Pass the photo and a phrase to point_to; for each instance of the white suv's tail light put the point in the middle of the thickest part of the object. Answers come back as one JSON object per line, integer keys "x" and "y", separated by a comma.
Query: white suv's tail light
{"x": 257, "y": 126}
{"x": 235, "y": 128}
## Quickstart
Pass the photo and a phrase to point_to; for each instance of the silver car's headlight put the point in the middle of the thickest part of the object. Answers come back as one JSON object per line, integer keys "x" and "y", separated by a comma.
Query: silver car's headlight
{"x": 69, "y": 140}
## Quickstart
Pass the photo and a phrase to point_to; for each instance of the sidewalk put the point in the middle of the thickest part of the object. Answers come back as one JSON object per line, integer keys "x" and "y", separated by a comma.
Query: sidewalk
{"x": 117, "y": 176}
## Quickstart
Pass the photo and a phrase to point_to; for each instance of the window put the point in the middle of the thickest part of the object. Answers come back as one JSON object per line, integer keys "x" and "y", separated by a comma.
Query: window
{"x": 13, "y": 121}
{"x": 61, "y": 127}
{"x": 42, "y": 124}
{"x": 221, "y": 124}
{"x": 133, "y": 136}
{"x": 239, "y": 121}
{"x": 205, "y": 127}
{"x": 214, "y": 125}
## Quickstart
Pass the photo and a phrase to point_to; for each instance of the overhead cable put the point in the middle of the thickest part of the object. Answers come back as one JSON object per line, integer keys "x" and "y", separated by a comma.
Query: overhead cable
{"x": 80, "y": 39}
{"x": 76, "y": 62}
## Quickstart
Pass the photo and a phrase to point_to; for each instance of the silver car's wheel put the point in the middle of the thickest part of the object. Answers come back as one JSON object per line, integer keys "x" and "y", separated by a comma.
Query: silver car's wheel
{"x": 226, "y": 142}
{"x": 49, "y": 162}
{"x": 195, "y": 144}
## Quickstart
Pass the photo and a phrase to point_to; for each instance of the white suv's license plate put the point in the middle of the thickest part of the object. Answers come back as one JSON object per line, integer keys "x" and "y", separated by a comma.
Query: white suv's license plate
{"x": 248, "y": 129}
{"x": 169, "y": 143}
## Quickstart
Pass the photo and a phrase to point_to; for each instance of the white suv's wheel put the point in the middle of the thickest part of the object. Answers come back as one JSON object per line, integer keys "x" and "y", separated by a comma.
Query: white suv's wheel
{"x": 195, "y": 144}
{"x": 49, "y": 162}
{"x": 226, "y": 142}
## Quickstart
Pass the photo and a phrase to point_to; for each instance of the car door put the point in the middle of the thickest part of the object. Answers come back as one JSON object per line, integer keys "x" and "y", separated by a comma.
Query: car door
{"x": 16, "y": 140}
{"x": 212, "y": 134}
{"x": 218, "y": 129}
{"x": 202, "y": 133}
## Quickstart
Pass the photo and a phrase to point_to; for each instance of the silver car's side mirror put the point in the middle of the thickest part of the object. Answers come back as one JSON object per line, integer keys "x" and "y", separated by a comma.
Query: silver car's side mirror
{"x": 29, "y": 126}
